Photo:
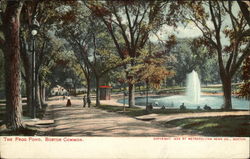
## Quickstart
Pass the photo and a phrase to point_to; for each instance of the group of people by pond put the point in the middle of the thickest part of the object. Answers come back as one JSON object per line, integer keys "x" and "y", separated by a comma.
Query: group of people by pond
{"x": 182, "y": 107}
{"x": 206, "y": 107}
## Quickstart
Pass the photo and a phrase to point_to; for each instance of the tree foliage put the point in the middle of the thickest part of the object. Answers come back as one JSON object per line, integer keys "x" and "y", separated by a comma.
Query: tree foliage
{"x": 130, "y": 25}
{"x": 245, "y": 86}
{"x": 218, "y": 20}
{"x": 188, "y": 55}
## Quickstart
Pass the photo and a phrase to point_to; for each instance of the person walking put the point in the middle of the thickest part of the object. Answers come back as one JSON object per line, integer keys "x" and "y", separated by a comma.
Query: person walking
{"x": 89, "y": 102}
{"x": 84, "y": 101}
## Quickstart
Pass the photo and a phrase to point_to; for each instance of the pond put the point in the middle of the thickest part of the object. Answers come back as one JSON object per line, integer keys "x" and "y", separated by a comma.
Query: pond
{"x": 215, "y": 102}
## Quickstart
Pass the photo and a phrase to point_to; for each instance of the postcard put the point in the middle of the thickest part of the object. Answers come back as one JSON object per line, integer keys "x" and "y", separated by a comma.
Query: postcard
{"x": 124, "y": 79}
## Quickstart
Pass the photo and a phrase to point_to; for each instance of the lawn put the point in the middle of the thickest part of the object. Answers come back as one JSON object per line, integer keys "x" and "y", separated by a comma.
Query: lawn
{"x": 177, "y": 89}
{"x": 231, "y": 126}
{"x": 238, "y": 126}
{"x": 136, "y": 111}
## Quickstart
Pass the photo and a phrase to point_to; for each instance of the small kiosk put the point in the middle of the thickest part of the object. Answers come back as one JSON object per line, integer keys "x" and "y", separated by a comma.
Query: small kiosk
{"x": 105, "y": 92}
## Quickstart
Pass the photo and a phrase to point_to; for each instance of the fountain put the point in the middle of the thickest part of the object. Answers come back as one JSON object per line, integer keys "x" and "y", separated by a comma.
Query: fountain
{"x": 192, "y": 98}
{"x": 193, "y": 88}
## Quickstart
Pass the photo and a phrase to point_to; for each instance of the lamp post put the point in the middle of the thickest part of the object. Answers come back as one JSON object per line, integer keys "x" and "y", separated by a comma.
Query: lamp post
{"x": 124, "y": 94}
{"x": 147, "y": 92}
{"x": 127, "y": 71}
{"x": 34, "y": 32}
{"x": 122, "y": 82}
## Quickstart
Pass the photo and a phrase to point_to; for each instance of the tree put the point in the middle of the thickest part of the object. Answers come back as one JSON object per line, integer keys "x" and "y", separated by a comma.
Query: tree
{"x": 188, "y": 55}
{"x": 1, "y": 61}
{"x": 11, "y": 47}
{"x": 91, "y": 45}
{"x": 130, "y": 25}
{"x": 43, "y": 12}
{"x": 151, "y": 68}
{"x": 10, "y": 44}
{"x": 66, "y": 67}
{"x": 225, "y": 22}
{"x": 2, "y": 74}
{"x": 244, "y": 88}
{"x": 31, "y": 14}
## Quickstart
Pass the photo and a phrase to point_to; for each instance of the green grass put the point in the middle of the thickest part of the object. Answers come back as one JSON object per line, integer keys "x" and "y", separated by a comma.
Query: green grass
{"x": 232, "y": 126}
{"x": 211, "y": 89}
{"x": 136, "y": 111}
{"x": 158, "y": 91}
{"x": 178, "y": 89}
{"x": 209, "y": 126}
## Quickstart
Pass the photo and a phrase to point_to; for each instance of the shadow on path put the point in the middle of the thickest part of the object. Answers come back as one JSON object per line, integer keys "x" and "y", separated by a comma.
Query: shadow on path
{"x": 79, "y": 121}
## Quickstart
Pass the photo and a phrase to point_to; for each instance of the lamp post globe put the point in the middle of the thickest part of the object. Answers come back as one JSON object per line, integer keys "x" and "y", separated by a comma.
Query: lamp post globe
{"x": 34, "y": 32}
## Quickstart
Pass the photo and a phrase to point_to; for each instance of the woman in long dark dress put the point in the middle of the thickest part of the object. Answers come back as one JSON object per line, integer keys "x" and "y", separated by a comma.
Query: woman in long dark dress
{"x": 68, "y": 102}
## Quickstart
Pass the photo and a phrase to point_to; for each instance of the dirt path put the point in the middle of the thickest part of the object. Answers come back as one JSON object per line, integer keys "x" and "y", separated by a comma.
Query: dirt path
{"x": 79, "y": 121}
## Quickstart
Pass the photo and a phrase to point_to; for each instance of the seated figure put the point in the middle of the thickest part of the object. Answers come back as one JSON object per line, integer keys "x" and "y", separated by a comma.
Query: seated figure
{"x": 206, "y": 107}
{"x": 163, "y": 107}
{"x": 182, "y": 107}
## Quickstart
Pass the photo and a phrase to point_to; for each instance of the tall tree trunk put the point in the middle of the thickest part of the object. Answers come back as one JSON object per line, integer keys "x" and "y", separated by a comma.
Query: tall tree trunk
{"x": 131, "y": 95}
{"x": 147, "y": 87}
{"x": 88, "y": 91}
{"x": 28, "y": 76}
{"x": 225, "y": 79}
{"x": 12, "y": 65}
{"x": 42, "y": 93}
{"x": 227, "y": 90}
{"x": 97, "y": 91}
{"x": 75, "y": 92}
{"x": 47, "y": 93}
{"x": 87, "y": 76}
{"x": 38, "y": 103}
{"x": 28, "y": 92}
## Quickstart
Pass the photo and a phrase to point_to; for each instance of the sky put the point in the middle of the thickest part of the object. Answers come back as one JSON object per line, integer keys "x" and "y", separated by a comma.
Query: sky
{"x": 190, "y": 30}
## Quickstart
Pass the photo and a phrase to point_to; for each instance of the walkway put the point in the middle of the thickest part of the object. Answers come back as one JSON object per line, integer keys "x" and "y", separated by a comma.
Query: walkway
{"x": 79, "y": 121}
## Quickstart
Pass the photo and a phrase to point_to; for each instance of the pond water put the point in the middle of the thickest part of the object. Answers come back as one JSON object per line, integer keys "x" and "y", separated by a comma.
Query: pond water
{"x": 215, "y": 102}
